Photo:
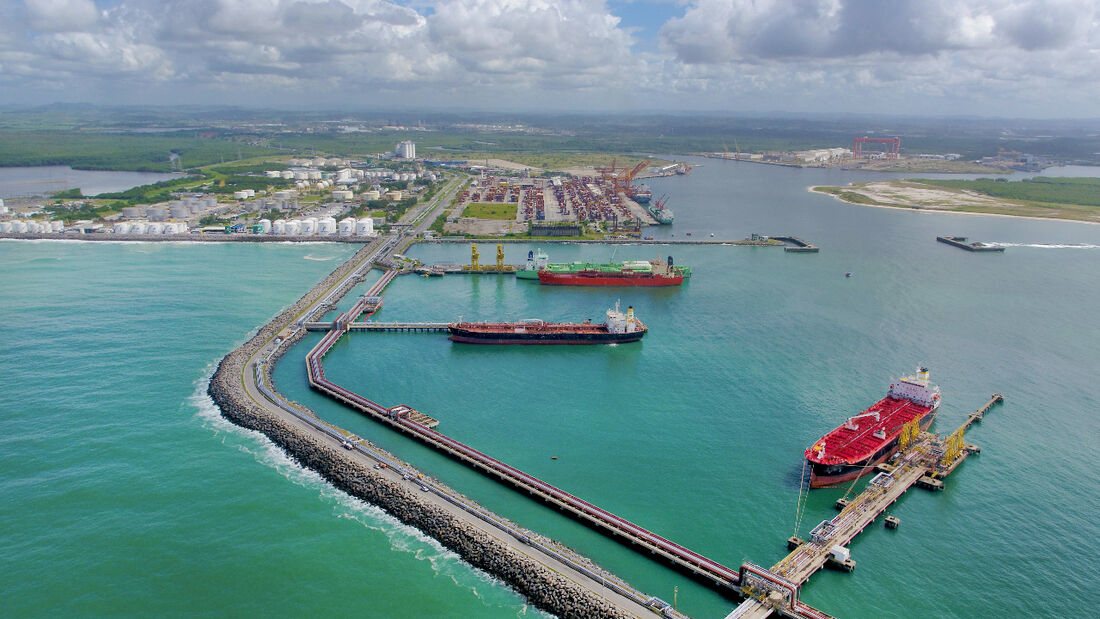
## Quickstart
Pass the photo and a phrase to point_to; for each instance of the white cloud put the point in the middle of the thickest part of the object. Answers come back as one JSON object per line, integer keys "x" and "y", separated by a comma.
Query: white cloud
{"x": 61, "y": 15}
{"x": 730, "y": 54}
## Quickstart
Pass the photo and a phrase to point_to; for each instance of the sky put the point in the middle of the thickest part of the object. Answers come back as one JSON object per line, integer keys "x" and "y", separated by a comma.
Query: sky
{"x": 1005, "y": 58}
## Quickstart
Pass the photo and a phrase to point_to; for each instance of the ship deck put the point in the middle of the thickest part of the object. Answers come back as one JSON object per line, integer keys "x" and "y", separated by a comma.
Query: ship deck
{"x": 847, "y": 446}
{"x": 509, "y": 328}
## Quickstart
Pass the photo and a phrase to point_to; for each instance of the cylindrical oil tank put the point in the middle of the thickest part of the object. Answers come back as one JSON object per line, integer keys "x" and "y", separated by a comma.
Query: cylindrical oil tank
{"x": 157, "y": 213}
{"x": 326, "y": 226}
{"x": 138, "y": 228}
{"x": 57, "y": 225}
{"x": 121, "y": 227}
{"x": 265, "y": 226}
{"x": 5, "y": 226}
{"x": 154, "y": 228}
{"x": 364, "y": 227}
{"x": 293, "y": 227}
{"x": 309, "y": 227}
{"x": 179, "y": 211}
{"x": 347, "y": 226}
{"x": 133, "y": 212}
{"x": 278, "y": 227}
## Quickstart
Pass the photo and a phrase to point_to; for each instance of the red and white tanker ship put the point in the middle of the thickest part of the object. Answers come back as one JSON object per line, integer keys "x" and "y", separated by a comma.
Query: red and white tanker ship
{"x": 853, "y": 449}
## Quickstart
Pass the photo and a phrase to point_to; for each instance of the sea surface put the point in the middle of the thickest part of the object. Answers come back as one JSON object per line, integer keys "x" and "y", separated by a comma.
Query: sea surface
{"x": 41, "y": 180}
{"x": 125, "y": 492}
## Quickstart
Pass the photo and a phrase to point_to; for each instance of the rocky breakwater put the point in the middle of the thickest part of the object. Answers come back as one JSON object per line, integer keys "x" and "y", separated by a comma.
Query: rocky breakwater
{"x": 542, "y": 586}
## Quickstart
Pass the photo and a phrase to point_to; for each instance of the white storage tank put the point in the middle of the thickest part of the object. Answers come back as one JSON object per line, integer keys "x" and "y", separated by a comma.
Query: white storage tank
{"x": 157, "y": 213}
{"x": 57, "y": 225}
{"x": 342, "y": 194}
{"x": 278, "y": 227}
{"x": 287, "y": 174}
{"x": 314, "y": 175}
{"x": 179, "y": 211}
{"x": 30, "y": 227}
{"x": 326, "y": 226}
{"x": 154, "y": 228}
{"x": 138, "y": 228}
{"x": 5, "y": 226}
{"x": 364, "y": 227}
{"x": 373, "y": 194}
{"x": 240, "y": 195}
{"x": 309, "y": 227}
{"x": 121, "y": 227}
{"x": 293, "y": 227}
{"x": 273, "y": 174}
{"x": 347, "y": 226}
{"x": 265, "y": 226}
{"x": 210, "y": 202}
{"x": 133, "y": 212}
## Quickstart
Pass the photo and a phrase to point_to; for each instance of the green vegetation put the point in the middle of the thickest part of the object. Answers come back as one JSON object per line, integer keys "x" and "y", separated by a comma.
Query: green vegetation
{"x": 152, "y": 193}
{"x": 76, "y": 211}
{"x": 848, "y": 196}
{"x": 1040, "y": 189}
{"x": 117, "y": 151}
{"x": 490, "y": 210}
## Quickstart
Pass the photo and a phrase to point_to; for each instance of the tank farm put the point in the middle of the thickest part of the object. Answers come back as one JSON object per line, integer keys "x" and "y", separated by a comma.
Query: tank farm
{"x": 922, "y": 460}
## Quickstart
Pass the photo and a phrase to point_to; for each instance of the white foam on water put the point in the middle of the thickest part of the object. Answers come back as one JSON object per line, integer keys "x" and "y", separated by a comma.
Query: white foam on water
{"x": 1048, "y": 245}
{"x": 401, "y": 537}
{"x": 321, "y": 259}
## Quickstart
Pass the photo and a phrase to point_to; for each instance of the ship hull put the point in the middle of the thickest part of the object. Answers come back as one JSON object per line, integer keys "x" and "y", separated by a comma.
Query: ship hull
{"x": 606, "y": 279}
{"x": 467, "y": 336}
{"x": 823, "y": 476}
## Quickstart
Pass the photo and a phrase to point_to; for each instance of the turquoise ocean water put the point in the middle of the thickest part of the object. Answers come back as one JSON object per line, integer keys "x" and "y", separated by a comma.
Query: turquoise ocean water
{"x": 125, "y": 492}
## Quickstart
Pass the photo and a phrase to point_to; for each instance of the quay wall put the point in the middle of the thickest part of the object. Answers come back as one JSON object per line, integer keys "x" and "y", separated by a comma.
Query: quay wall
{"x": 539, "y": 584}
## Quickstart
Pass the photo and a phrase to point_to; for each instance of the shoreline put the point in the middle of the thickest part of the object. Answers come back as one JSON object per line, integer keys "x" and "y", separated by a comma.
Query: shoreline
{"x": 811, "y": 189}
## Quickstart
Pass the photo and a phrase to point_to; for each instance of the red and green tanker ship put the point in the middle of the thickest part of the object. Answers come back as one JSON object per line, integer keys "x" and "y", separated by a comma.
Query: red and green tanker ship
{"x": 659, "y": 274}
{"x": 853, "y": 449}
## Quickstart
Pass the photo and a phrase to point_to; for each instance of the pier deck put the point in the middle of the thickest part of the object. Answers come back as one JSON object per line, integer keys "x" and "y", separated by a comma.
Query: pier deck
{"x": 960, "y": 242}
{"x": 797, "y": 245}
{"x": 381, "y": 326}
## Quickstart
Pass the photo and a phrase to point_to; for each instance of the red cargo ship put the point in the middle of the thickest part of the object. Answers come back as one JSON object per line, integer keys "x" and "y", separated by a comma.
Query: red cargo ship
{"x": 661, "y": 274}
{"x": 853, "y": 449}
{"x": 619, "y": 328}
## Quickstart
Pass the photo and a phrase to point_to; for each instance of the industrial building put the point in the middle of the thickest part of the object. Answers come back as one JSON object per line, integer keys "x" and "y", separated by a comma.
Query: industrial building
{"x": 405, "y": 149}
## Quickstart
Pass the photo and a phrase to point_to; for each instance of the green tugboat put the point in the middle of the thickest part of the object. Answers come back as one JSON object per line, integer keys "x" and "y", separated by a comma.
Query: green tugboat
{"x": 539, "y": 261}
